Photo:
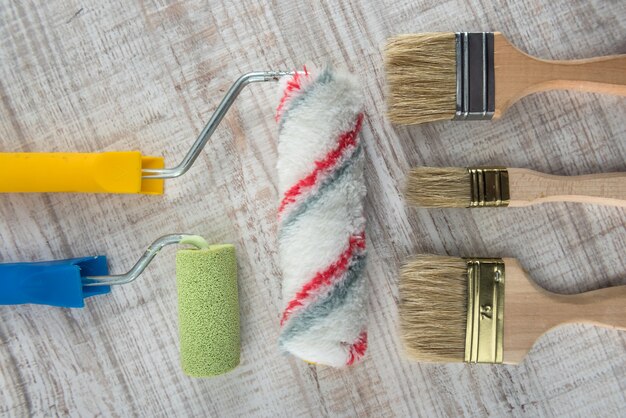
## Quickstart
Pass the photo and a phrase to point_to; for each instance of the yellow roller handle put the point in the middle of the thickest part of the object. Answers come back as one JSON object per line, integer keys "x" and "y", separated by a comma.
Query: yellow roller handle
{"x": 106, "y": 172}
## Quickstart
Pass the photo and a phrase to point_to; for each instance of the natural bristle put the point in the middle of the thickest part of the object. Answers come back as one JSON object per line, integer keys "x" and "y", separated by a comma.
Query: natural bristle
{"x": 438, "y": 187}
{"x": 421, "y": 75}
{"x": 433, "y": 308}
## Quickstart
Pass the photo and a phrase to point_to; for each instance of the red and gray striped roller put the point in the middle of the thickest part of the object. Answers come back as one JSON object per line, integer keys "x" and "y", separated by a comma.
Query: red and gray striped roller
{"x": 321, "y": 233}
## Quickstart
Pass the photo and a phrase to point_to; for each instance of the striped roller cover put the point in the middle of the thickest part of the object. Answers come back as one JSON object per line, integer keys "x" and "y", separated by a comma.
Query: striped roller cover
{"x": 321, "y": 233}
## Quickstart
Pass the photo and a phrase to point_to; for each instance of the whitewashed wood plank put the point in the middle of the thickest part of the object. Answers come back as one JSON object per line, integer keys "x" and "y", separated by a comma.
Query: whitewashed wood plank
{"x": 114, "y": 75}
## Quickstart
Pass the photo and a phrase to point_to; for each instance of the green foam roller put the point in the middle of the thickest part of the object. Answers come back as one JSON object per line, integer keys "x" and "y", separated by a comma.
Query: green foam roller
{"x": 208, "y": 310}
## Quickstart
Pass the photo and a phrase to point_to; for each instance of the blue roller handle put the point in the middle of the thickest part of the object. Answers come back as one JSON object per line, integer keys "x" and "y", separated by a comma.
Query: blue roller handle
{"x": 54, "y": 283}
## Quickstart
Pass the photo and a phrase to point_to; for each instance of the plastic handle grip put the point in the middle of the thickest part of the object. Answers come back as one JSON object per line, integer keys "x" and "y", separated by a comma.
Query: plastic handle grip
{"x": 106, "y": 172}
{"x": 54, "y": 283}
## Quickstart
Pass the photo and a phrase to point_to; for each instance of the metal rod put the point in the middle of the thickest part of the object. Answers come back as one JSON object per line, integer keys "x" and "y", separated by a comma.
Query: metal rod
{"x": 140, "y": 266}
{"x": 216, "y": 118}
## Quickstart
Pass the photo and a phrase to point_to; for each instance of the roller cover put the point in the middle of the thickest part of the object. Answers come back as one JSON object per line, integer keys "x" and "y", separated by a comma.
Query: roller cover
{"x": 208, "y": 310}
{"x": 321, "y": 223}
{"x": 106, "y": 172}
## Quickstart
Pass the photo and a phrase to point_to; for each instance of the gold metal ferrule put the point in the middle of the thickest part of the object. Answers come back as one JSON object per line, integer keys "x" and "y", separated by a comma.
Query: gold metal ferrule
{"x": 489, "y": 186}
{"x": 485, "y": 310}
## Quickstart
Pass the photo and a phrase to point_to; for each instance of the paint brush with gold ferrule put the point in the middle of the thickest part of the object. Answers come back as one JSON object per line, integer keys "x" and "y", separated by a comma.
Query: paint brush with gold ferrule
{"x": 445, "y": 187}
{"x": 481, "y": 310}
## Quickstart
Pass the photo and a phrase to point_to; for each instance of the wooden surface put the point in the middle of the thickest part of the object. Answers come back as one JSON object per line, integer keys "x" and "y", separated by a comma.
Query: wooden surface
{"x": 523, "y": 326}
{"x": 529, "y": 187}
{"x": 518, "y": 74}
{"x": 115, "y": 75}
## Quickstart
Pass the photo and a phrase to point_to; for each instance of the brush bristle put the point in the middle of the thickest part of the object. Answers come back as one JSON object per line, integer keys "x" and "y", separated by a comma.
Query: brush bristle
{"x": 421, "y": 74}
{"x": 439, "y": 187}
{"x": 433, "y": 308}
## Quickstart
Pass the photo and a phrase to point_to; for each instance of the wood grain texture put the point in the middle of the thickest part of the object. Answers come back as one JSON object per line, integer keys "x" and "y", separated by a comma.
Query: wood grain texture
{"x": 117, "y": 75}
{"x": 530, "y": 311}
{"x": 518, "y": 74}
{"x": 529, "y": 187}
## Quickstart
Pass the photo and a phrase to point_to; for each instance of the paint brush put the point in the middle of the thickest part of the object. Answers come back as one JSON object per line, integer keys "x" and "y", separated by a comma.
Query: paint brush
{"x": 445, "y": 187}
{"x": 477, "y": 76}
{"x": 482, "y": 310}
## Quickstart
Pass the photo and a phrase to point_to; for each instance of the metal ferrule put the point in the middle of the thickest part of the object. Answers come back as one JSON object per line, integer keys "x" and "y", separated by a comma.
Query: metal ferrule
{"x": 485, "y": 310}
{"x": 489, "y": 187}
{"x": 475, "y": 80}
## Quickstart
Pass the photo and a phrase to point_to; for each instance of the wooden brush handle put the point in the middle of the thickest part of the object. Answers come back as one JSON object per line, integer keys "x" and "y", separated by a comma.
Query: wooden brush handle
{"x": 530, "y": 310}
{"x": 528, "y": 187}
{"x": 603, "y": 307}
{"x": 518, "y": 74}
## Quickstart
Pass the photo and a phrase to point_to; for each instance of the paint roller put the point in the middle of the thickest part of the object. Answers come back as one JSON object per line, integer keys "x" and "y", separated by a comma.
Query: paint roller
{"x": 127, "y": 172}
{"x": 206, "y": 279}
{"x": 321, "y": 222}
